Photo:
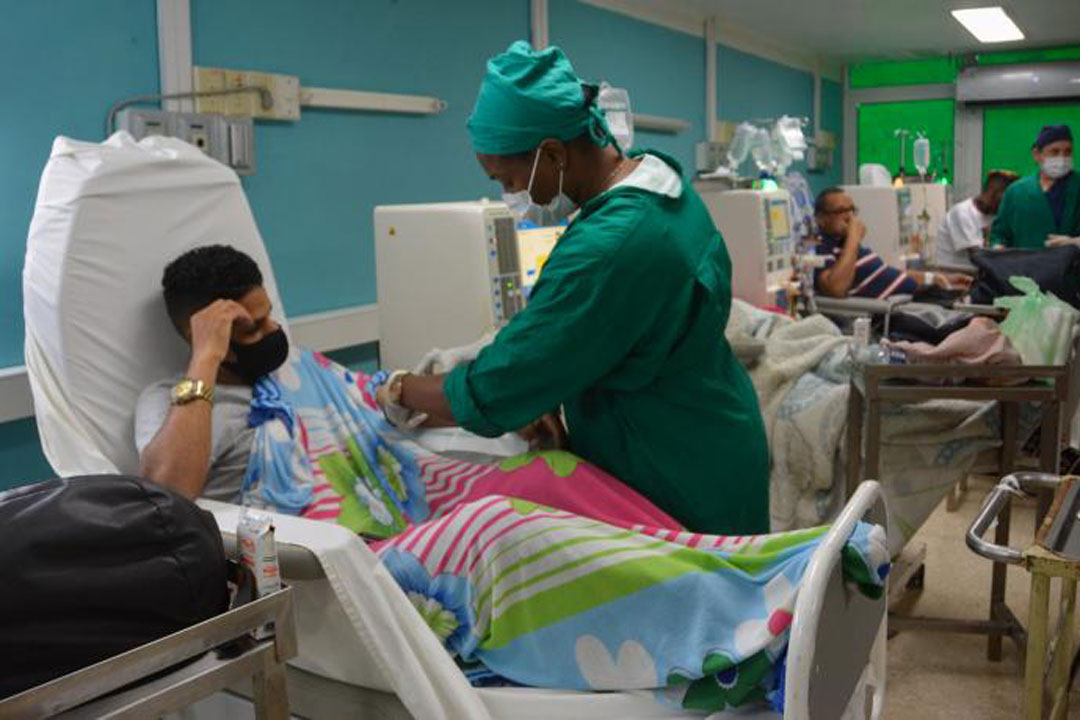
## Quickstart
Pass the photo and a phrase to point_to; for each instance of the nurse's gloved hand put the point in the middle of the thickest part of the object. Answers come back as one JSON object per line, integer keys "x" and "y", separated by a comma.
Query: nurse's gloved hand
{"x": 443, "y": 361}
{"x": 1059, "y": 240}
{"x": 545, "y": 433}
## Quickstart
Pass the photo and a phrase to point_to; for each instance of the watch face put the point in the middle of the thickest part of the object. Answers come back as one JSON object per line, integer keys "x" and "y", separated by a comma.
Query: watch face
{"x": 183, "y": 389}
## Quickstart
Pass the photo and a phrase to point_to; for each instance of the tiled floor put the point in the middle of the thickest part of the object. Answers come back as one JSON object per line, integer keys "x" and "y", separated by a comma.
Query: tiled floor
{"x": 934, "y": 676}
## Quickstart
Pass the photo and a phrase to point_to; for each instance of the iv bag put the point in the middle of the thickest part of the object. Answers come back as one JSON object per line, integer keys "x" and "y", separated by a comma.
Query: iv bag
{"x": 615, "y": 103}
{"x": 921, "y": 151}
{"x": 761, "y": 150}
{"x": 789, "y": 135}
{"x": 740, "y": 145}
{"x": 782, "y": 157}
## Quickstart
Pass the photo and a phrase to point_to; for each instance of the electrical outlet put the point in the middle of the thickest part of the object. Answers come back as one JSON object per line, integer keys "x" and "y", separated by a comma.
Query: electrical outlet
{"x": 203, "y": 131}
{"x": 284, "y": 89}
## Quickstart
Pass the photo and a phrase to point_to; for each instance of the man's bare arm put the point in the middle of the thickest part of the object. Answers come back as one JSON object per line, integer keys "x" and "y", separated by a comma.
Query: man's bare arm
{"x": 179, "y": 455}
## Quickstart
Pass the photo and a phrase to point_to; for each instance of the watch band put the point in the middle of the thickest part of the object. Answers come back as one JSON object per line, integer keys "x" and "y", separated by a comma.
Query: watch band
{"x": 189, "y": 390}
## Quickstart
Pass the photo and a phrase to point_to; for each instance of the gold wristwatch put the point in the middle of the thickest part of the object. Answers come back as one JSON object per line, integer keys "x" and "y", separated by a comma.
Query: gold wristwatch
{"x": 190, "y": 389}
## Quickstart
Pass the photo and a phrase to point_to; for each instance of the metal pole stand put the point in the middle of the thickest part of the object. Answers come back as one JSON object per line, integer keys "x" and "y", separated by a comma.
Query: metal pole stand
{"x": 1048, "y": 661}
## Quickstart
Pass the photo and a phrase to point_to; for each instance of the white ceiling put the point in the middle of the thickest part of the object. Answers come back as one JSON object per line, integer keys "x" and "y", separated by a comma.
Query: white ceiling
{"x": 841, "y": 31}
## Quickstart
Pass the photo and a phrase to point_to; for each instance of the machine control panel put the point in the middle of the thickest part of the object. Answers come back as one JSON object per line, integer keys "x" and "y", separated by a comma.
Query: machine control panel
{"x": 504, "y": 268}
{"x": 908, "y": 229}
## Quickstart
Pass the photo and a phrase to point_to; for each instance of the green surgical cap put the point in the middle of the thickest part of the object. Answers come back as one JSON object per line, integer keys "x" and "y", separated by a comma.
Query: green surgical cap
{"x": 528, "y": 96}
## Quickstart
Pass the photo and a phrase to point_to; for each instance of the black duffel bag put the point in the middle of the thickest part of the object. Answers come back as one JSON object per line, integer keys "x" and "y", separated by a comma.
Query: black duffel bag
{"x": 1055, "y": 270}
{"x": 925, "y": 322}
{"x": 93, "y": 566}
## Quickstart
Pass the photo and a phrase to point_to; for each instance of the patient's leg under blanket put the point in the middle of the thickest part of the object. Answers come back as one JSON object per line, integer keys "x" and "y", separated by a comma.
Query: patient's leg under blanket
{"x": 552, "y": 599}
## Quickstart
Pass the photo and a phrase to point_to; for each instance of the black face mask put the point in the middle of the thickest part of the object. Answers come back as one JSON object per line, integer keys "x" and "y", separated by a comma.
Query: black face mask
{"x": 260, "y": 358}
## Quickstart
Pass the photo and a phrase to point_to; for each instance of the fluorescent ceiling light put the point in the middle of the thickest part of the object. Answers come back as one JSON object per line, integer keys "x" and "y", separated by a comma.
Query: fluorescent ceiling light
{"x": 988, "y": 24}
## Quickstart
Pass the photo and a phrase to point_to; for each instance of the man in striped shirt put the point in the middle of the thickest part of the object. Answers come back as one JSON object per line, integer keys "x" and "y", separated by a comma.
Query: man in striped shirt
{"x": 852, "y": 270}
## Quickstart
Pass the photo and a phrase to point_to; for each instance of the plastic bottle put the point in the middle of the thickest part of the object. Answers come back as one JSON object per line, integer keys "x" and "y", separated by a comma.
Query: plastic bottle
{"x": 863, "y": 351}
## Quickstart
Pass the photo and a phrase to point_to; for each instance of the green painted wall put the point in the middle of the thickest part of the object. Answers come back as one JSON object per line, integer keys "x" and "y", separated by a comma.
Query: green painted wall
{"x": 1009, "y": 131}
{"x": 904, "y": 72}
{"x": 877, "y": 142}
{"x": 931, "y": 70}
{"x": 1006, "y": 57}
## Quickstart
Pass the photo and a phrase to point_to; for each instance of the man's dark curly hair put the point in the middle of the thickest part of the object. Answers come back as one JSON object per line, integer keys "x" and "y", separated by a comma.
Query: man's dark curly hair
{"x": 205, "y": 274}
{"x": 820, "y": 204}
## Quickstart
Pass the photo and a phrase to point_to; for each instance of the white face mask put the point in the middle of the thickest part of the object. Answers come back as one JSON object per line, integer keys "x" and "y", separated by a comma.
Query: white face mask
{"x": 525, "y": 210}
{"x": 1057, "y": 167}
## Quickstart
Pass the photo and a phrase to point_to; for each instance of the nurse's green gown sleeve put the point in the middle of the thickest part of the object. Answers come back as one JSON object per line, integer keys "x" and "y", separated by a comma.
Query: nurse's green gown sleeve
{"x": 625, "y": 330}
{"x": 1025, "y": 219}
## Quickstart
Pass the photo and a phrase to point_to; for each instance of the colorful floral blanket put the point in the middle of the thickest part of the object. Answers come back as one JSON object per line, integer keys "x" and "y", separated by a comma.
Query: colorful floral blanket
{"x": 543, "y": 569}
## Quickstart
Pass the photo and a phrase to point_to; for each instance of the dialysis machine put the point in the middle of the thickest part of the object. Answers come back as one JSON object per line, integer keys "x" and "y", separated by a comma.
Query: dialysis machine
{"x": 758, "y": 232}
{"x": 890, "y": 225}
{"x": 449, "y": 272}
{"x": 929, "y": 204}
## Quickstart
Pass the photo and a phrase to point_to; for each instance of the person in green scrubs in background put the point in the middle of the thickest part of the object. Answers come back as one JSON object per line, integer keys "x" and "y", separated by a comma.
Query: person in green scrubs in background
{"x": 1044, "y": 208}
{"x": 624, "y": 329}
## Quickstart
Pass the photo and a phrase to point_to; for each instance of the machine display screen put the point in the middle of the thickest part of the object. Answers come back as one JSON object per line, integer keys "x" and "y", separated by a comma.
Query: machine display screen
{"x": 778, "y": 221}
{"x": 534, "y": 247}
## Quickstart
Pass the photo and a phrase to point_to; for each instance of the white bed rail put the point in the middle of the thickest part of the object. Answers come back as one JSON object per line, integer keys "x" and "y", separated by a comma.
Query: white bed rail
{"x": 817, "y": 602}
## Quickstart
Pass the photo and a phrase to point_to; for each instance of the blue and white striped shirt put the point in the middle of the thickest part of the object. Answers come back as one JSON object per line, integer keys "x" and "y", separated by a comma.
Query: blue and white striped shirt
{"x": 873, "y": 278}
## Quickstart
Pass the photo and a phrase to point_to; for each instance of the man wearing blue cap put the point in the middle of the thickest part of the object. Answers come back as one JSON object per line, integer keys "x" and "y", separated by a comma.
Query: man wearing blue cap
{"x": 624, "y": 330}
{"x": 1043, "y": 208}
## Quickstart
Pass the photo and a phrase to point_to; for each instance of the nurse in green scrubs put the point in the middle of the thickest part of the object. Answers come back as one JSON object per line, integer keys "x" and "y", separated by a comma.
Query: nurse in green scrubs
{"x": 1043, "y": 208}
{"x": 624, "y": 330}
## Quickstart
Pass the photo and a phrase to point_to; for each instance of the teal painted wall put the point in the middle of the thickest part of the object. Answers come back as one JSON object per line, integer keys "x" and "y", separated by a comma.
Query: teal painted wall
{"x": 21, "y": 460}
{"x": 832, "y": 119}
{"x": 750, "y": 87}
{"x": 364, "y": 358}
{"x": 319, "y": 180}
{"x": 663, "y": 70}
{"x": 65, "y": 64}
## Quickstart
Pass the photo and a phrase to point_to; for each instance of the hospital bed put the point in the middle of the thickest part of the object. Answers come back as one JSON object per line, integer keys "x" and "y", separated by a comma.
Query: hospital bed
{"x": 108, "y": 218}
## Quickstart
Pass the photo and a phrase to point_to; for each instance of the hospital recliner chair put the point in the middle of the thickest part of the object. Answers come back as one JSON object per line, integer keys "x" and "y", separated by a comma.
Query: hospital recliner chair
{"x": 108, "y": 218}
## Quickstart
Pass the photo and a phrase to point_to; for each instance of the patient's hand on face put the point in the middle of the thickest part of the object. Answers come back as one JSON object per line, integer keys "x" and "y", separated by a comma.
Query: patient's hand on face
{"x": 212, "y": 330}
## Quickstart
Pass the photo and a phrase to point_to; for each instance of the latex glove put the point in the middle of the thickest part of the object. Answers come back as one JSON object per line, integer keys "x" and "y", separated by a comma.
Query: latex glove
{"x": 1059, "y": 240}
{"x": 438, "y": 360}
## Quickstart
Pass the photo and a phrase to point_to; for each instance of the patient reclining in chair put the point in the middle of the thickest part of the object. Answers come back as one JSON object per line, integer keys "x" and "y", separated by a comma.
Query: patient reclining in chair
{"x": 536, "y": 570}
{"x": 192, "y": 432}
